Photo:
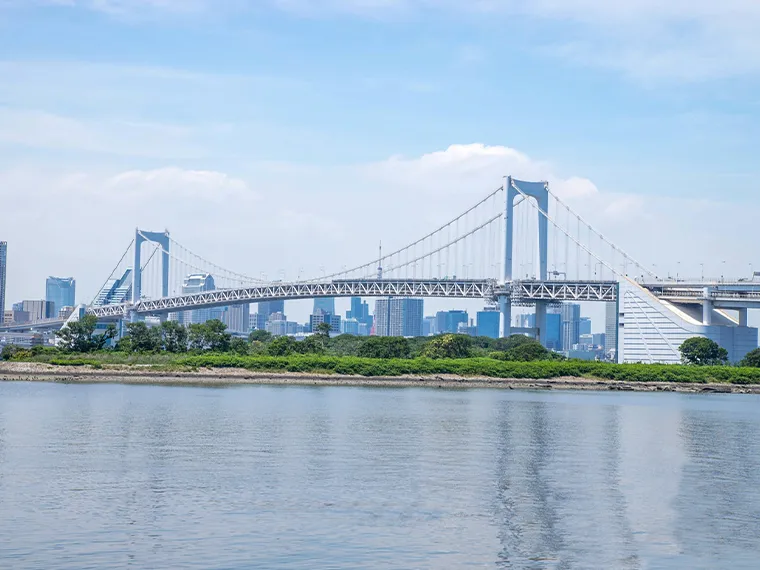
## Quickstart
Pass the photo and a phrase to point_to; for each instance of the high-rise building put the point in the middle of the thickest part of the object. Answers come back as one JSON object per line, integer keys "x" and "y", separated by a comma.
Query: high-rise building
{"x": 553, "y": 336}
{"x": 398, "y": 317}
{"x": 571, "y": 323}
{"x": 585, "y": 325}
{"x": 351, "y": 326}
{"x": 324, "y": 304}
{"x": 60, "y": 291}
{"x": 428, "y": 326}
{"x": 198, "y": 283}
{"x": 599, "y": 339}
{"x": 3, "y": 264}
{"x": 322, "y": 317}
{"x": 488, "y": 322}
{"x": 115, "y": 291}
{"x": 37, "y": 310}
{"x": 448, "y": 321}
{"x": 237, "y": 318}
{"x": 266, "y": 308}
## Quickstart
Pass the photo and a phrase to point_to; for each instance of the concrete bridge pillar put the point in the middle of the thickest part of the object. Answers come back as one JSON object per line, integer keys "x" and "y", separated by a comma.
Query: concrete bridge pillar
{"x": 743, "y": 317}
{"x": 707, "y": 307}
{"x": 505, "y": 304}
{"x": 541, "y": 322}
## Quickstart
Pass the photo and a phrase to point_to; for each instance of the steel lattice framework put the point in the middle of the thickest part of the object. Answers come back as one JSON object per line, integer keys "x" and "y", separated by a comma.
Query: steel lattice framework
{"x": 521, "y": 291}
{"x": 531, "y": 291}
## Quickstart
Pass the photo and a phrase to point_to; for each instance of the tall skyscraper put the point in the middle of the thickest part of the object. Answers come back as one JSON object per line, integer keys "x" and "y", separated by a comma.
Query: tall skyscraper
{"x": 571, "y": 325}
{"x": 266, "y": 308}
{"x": 585, "y": 325}
{"x": 198, "y": 283}
{"x": 398, "y": 317}
{"x": 553, "y": 331}
{"x": 61, "y": 291}
{"x": 488, "y": 323}
{"x": 3, "y": 263}
{"x": 324, "y": 304}
{"x": 237, "y": 318}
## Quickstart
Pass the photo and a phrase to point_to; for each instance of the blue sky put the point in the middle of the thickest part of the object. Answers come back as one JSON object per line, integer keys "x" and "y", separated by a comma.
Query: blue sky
{"x": 653, "y": 106}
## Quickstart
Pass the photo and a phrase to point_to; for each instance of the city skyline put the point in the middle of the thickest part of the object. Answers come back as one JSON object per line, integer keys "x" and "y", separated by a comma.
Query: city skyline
{"x": 91, "y": 142}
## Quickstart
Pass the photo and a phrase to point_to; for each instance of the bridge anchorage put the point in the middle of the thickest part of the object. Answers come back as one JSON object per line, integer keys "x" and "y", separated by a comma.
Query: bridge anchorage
{"x": 521, "y": 245}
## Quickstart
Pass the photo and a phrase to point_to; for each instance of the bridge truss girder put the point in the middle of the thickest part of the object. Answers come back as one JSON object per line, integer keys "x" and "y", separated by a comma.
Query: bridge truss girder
{"x": 520, "y": 292}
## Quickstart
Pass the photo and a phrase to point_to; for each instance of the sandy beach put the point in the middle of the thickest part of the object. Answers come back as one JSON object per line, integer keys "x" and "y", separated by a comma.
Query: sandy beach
{"x": 36, "y": 372}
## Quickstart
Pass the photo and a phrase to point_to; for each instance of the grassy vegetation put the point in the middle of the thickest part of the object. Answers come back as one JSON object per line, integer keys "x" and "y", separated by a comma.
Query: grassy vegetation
{"x": 172, "y": 346}
{"x": 468, "y": 367}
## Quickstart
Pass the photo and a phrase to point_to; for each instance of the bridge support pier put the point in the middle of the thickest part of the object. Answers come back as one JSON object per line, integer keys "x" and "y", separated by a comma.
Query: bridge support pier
{"x": 743, "y": 317}
{"x": 707, "y": 307}
{"x": 505, "y": 304}
{"x": 541, "y": 322}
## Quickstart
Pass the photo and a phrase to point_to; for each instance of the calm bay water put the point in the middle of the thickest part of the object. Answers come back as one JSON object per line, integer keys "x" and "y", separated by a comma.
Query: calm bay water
{"x": 107, "y": 476}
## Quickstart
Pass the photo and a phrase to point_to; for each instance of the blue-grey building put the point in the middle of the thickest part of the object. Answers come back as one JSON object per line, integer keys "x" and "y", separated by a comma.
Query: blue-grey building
{"x": 267, "y": 308}
{"x": 199, "y": 283}
{"x": 585, "y": 325}
{"x": 488, "y": 323}
{"x": 398, "y": 317}
{"x": 553, "y": 331}
{"x": 571, "y": 325}
{"x": 324, "y": 304}
{"x": 61, "y": 291}
{"x": 448, "y": 321}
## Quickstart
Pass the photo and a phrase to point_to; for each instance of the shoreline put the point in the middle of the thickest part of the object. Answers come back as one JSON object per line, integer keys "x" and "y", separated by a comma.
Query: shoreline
{"x": 220, "y": 377}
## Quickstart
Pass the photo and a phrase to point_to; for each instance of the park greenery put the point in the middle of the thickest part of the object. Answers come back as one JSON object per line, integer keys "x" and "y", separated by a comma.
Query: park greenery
{"x": 210, "y": 345}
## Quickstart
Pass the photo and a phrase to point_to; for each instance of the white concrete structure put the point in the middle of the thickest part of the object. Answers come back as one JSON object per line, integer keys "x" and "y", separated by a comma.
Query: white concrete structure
{"x": 652, "y": 329}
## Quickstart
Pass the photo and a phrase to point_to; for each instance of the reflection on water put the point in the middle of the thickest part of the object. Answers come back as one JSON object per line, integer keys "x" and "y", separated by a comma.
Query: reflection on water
{"x": 286, "y": 477}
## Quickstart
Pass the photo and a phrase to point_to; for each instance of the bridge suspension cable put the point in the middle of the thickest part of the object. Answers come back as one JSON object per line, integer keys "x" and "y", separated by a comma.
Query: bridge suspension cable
{"x": 593, "y": 230}
{"x": 568, "y": 235}
{"x": 368, "y": 269}
{"x": 113, "y": 271}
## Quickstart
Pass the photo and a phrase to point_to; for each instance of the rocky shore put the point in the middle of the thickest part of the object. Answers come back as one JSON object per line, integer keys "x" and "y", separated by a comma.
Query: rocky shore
{"x": 36, "y": 372}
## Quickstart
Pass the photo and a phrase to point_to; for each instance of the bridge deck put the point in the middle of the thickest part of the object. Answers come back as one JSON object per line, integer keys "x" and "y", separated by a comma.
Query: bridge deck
{"x": 520, "y": 291}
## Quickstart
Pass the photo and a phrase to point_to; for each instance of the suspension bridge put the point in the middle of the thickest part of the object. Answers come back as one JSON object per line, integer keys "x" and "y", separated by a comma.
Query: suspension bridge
{"x": 520, "y": 245}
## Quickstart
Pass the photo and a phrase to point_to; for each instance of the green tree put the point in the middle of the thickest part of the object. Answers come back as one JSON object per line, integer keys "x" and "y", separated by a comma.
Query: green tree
{"x": 701, "y": 351}
{"x": 211, "y": 335}
{"x": 345, "y": 345}
{"x": 313, "y": 344}
{"x": 79, "y": 336}
{"x": 448, "y": 346}
{"x": 527, "y": 352}
{"x": 282, "y": 346}
{"x": 143, "y": 338}
{"x": 239, "y": 346}
{"x": 751, "y": 359}
{"x": 505, "y": 344}
{"x": 385, "y": 347}
{"x": 174, "y": 336}
{"x": 323, "y": 329}
{"x": 9, "y": 351}
{"x": 260, "y": 336}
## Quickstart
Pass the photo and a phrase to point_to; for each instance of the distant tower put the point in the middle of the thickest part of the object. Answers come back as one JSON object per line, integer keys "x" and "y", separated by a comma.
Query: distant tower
{"x": 380, "y": 262}
{"x": 162, "y": 239}
{"x": 538, "y": 191}
{"x": 3, "y": 262}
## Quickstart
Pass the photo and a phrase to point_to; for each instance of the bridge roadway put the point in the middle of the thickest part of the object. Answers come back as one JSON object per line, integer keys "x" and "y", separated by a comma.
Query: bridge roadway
{"x": 521, "y": 293}
{"x": 524, "y": 292}
{"x": 722, "y": 294}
